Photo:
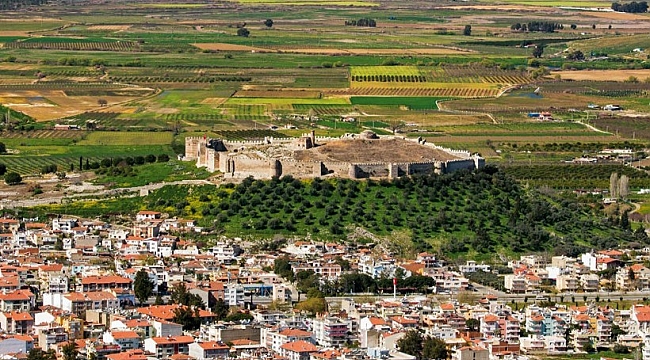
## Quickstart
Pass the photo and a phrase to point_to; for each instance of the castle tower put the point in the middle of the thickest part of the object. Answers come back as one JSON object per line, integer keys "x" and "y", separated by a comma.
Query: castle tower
{"x": 275, "y": 168}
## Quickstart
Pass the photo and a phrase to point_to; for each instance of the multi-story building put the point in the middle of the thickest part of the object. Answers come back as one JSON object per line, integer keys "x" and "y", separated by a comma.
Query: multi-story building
{"x": 165, "y": 347}
{"x": 49, "y": 336}
{"x": 298, "y": 350}
{"x": 102, "y": 283}
{"x": 78, "y": 303}
{"x": 567, "y": 283}
{"x": 15, "y": 322}
{"x": 17, "y": 300}
{"x": 589, "y": 282}
{"x": 209, "y": 350}
{"x": 515, "y": 284}
{"x": 233, "y": 295}
{"x": 127, "y": 339}
{"x": 273, "y": 339}
{"x": 330, "y": 331}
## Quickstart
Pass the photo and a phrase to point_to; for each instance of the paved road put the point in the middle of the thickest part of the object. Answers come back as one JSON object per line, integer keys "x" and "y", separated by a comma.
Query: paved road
{"x": 130, "y": 191}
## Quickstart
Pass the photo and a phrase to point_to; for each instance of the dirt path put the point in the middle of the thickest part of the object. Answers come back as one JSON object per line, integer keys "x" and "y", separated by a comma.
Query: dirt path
{"x": 441, "y": 108}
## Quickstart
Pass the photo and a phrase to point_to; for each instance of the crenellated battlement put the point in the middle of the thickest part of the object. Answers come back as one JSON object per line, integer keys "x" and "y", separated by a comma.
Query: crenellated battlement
{"x": 277, "y": 157}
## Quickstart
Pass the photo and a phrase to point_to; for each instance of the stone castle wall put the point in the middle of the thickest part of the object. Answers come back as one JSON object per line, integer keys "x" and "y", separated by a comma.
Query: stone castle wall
{"x": 241, "y": 166}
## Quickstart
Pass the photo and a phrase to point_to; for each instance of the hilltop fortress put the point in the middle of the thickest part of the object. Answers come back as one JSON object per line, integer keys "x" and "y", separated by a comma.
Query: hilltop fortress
{"x": 354, "y": 156}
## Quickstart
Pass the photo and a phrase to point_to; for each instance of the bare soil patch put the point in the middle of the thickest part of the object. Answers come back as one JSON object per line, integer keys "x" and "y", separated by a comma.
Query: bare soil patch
{"x": 613, "y": 15}
{"x": 603, "y": 75}
{"x": 226, "y": 47}
{"x": 109, "y": 27}
{"x": 373, "y": 151}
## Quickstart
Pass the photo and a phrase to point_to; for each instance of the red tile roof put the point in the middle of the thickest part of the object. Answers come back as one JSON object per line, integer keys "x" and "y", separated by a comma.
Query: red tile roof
{"x": 168, "y": 340}
{"x": 105, "y": 280}
{"x": 213, "y": 345}
{"x": 127, "y": 334}
{"x": 300, "y": 346}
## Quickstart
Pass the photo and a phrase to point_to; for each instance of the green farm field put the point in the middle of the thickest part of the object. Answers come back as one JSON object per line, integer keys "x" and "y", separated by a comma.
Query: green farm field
{"x": 134, "y": 85}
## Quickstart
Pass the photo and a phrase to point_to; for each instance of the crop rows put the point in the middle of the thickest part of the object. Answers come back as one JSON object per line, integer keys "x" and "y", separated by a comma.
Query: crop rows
{"x": 196, "y": 117}
{"x": 505, "y": 79}
{"x": 389, "y": 78}
{"x": 478, "y": 70}
{"x": 240, "y": 135}
{"x": 593, "y": 87}
{"x": 28, "y": 165}
{"x": 44, "y": 134}
{"x": 73, "y": 73}
{"x": 57, "y": 85}
{"x": 170, "y": 79}
{"x": 368, "y": 71}
{"x": 419, "y": 92}
{"x": 323, "y": 109}
{"x": 576, "y": 176}
{"x": 618, "y": 93}
{"x": 74, "y": 46}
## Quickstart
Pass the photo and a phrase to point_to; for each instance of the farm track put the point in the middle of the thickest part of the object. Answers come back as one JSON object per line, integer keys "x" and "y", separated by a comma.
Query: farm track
{"x": 441, "y": 108}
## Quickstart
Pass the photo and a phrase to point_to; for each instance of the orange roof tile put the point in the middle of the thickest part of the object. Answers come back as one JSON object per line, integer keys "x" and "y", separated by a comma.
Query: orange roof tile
{"x": 105, "y": 280}
{"x": 295, "y": 333}
{"x": 213, "y": 345}
{"x": 300, "y": 346}
{"x": 167, "y": 340}
{"x": 126, "y": 334}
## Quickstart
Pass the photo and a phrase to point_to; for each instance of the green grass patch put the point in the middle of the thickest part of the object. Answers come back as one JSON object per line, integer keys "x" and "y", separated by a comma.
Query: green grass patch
{"x": 156, "y": 172}
{"x": 413, "y": 103}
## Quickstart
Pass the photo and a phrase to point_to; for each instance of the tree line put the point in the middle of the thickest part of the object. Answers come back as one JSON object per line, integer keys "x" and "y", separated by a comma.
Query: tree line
{"x": 367, "y": 22}
{"x": 631, "y": 7}
{"x": 537, "y": 26}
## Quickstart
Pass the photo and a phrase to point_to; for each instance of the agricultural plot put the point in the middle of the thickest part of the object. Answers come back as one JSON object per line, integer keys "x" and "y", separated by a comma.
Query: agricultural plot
{"x": 32, "y": 165}
{"x": 577, "y": 176}
{"x": 241, "y": 135}
{"x": 603, "y": 75}
{"x": 296, "y": 94}
{"x": 411, "y": 103}
{"x": 74, "y": 46}
{"x": 423, "y": 92}
{"x": 126, "y": 138}
{"x": 45, "y": 134}
{"x": 320, "y": 109}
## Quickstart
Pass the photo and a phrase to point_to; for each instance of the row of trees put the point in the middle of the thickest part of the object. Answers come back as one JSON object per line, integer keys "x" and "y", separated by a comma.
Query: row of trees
{"x": 367, "y": 22}
{"x": 537, "y": 26}
{"x": 632, "y": 7}
{"x": 618, "y": 186}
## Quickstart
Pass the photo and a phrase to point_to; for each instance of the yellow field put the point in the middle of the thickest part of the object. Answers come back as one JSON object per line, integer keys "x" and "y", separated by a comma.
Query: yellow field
{"x": 45, "y": 105}
{"x": 603, "y": 75}
{"x": 420, "y": 85}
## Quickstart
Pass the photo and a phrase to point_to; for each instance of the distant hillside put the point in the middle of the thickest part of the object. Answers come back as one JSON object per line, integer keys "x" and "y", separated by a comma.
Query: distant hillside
{"x": 477, "y": 213}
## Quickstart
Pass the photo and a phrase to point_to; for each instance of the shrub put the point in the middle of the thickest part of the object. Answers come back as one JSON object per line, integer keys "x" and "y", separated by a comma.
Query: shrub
{"x": 3, "y": 169}
{"x": 48, "y": 169}
{"x": 163, "y": 158}
{"x": 13, "y": 178}
{"x": 150, "y": 158}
